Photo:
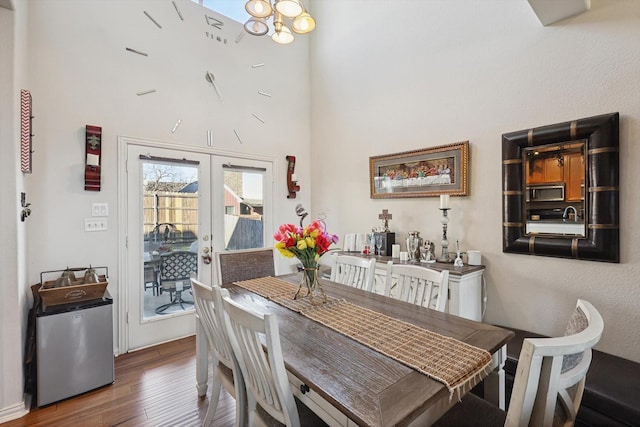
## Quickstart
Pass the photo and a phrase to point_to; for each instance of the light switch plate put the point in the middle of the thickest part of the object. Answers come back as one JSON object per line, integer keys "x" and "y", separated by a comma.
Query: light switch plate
{"x": 100, "y": 209}
{"x": 95, "y": 224}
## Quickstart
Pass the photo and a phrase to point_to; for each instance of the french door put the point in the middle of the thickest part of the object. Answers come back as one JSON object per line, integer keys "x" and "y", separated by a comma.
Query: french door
{"x": 181, "y": 208}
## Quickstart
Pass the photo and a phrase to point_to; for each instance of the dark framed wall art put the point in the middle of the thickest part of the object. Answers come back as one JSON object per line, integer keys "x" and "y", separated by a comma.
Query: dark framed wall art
{"x": 426, "y": 172}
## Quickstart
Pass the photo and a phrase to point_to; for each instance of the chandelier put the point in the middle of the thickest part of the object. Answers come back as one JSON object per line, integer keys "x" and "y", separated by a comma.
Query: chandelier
{"x": 261, "y": 10}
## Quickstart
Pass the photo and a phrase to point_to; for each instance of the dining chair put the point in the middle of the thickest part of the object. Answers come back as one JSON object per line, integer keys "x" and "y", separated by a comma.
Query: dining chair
{"x": 226, "y": 373}
{"x": 151, "y": 279}
{"x": 234, "y": 266}
{"x": 417, "y": 285}
{"x": 269, "y": 394}
{"x": 327, "y": 262}
{"x": 176, "y": 269}
{"x": 549, "y": 382}
{"x": 354, "y": 271}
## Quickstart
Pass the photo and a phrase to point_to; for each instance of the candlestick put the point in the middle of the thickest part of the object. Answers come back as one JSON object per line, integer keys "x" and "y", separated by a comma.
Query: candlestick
{"x": 445, "y": 243}
{"x": 444, "y": 201}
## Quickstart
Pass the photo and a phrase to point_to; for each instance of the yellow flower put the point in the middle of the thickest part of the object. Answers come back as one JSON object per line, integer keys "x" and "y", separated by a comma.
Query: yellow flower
{"x": 301, "y": 245}
{"x": 283, "y": 250}
{"x": 311, "y": 243}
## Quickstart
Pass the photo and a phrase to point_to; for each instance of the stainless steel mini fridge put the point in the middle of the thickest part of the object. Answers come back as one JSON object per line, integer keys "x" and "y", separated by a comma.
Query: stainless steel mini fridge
{"x": 74, "y": 349}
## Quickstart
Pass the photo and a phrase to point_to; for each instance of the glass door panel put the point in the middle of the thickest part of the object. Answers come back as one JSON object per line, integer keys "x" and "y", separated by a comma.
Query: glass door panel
{"x": 243, "y": 208}
{"x": 168, "y": 228}
{"x": 170, "y": 224}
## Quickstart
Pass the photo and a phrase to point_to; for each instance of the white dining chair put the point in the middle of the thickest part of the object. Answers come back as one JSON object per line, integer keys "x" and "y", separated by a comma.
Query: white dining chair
{"x": 226, "y": 372}
{"x": 354, "y": 271}
{"x": 269, "y": 394}
{"x": 549, "y": 382}
{"x": 417, "y": 285}
{"x": 327, "y": 262}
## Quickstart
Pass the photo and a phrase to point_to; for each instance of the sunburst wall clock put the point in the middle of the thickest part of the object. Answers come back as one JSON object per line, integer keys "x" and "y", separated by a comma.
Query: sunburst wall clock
{"x": 229, "y": 76}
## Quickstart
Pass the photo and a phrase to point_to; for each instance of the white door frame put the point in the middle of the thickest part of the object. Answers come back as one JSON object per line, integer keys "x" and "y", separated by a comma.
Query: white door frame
{"x": 122, "y": 300}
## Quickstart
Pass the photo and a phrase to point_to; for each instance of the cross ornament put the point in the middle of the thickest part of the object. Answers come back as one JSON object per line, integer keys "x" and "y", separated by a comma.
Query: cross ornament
{"x": 93, "y": 141}
{"x": 385, "y": 216}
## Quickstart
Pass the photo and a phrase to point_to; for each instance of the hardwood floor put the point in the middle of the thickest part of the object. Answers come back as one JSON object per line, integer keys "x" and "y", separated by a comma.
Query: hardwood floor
{"x": 153, "y": 387}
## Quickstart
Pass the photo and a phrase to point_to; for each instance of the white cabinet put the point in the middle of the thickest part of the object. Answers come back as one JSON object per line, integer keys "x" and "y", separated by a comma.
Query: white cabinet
{"x": 465, "y": 286}
{"x": 465, "y": 294}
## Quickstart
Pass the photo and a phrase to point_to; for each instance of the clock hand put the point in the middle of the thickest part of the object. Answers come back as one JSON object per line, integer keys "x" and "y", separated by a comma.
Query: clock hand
{"x": 215, "y": 86}
{"x": 211, "y": 79}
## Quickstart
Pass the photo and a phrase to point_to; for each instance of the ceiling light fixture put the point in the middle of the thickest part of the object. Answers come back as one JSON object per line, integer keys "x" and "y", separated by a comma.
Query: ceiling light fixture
{"x": 293, "y": 10}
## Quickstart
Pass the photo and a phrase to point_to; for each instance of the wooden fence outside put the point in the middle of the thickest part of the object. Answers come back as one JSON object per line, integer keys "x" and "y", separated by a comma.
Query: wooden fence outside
{"x": 179, "y": 209}
{"x": 177, "y": 213}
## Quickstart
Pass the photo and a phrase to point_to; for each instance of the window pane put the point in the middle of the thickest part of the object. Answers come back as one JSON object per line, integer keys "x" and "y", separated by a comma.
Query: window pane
{"x": 233, "y": 9}
{"x": 170, "y": 210}
{"x": 243, "y": 209}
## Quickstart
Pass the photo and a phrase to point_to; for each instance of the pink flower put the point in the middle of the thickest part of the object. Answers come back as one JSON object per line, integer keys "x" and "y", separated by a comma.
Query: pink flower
{"x": 307, "y": 244}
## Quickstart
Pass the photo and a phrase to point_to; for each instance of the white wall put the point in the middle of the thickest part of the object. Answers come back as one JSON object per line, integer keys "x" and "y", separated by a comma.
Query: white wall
{"x": 426, "y": 73}
{"x": 14, "y": 288}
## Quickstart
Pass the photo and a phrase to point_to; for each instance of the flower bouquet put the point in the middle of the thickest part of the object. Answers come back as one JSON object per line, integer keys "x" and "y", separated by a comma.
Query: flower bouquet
{"x": 307, "y": 244}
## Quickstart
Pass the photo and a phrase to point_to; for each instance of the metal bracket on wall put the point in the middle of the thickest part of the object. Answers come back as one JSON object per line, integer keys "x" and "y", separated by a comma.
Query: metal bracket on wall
{"x": 26, "y": 211}
{"x": 292, "y": 182}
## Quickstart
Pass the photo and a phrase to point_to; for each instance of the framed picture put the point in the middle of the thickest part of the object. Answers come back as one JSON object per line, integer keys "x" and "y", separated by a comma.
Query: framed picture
{"x": 421, "y": 173}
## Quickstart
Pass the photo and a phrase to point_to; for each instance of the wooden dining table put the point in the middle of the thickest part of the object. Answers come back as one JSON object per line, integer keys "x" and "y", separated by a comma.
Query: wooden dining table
{"x": 347, "y": 383}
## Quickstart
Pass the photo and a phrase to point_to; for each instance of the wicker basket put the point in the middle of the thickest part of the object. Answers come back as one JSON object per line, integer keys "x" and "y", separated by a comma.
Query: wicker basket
{"x": 76, "y": 292}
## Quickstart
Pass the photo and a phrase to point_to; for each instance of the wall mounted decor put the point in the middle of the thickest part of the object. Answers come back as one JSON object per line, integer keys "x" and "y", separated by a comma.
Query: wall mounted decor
{"x": 26, "y": 210}
{"x": 235, "y": 89}
{"x": 421, "y": 173}
{"x": 26, "y": 135}
{"x": 292, "y": 181}
{"x": 561, "y": 190}
{"x": 92, "y": 168}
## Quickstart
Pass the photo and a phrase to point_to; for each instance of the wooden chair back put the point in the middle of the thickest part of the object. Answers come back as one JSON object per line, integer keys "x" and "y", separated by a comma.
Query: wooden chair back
{"x": 553, "y": 370}
{"x": 264, "y": 374}
{"x": 354, "y": 271}
{"x": 417, "y": 285}
{"x": 209, "y": 309}
{"x": 235, "y": 266}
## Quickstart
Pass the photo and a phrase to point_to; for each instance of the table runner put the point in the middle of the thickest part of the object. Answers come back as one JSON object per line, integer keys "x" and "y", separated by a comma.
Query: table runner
{"x": 458, "y": 365}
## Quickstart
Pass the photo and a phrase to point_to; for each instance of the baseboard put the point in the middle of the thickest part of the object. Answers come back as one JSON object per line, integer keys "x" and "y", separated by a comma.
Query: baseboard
{"x": 16, "y": 411}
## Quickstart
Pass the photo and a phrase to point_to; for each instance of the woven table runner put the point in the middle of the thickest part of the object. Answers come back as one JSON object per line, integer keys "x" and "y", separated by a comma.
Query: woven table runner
{"x": 458, "y": 365}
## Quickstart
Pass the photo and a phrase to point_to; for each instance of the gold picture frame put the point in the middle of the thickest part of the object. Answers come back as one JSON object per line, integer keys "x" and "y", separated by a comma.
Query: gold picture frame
{"x": 428, "y": 172}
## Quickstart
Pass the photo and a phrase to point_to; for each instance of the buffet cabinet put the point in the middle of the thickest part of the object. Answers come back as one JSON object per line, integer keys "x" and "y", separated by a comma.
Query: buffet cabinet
{"x": 465, "y": 284}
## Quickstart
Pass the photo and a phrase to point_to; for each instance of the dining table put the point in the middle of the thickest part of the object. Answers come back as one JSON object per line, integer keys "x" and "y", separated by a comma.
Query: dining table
{"x": 348, "y": 383}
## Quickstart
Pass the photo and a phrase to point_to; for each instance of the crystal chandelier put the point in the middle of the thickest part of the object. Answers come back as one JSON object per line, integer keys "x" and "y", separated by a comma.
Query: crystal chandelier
{"x": 261, "y": 10}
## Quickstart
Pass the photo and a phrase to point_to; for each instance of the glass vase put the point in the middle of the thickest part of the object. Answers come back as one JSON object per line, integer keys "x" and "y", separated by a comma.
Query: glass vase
{"x": 312, "y": 289}
{"x": 414, "y": 241}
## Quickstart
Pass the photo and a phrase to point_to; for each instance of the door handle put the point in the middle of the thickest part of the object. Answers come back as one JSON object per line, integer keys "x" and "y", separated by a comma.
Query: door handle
{"x": 206, "y": 257}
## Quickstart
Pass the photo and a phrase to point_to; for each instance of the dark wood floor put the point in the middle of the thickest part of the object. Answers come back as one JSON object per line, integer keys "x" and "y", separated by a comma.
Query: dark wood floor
{"x": 153, "y": 387}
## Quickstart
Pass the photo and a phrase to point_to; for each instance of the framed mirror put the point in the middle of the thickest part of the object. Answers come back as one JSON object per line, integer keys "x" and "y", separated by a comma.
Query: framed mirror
{"x": 561, "y": 190}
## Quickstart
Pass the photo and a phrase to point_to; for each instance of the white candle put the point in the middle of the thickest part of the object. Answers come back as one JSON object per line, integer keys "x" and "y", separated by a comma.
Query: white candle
{"x": 444, "y": 201}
